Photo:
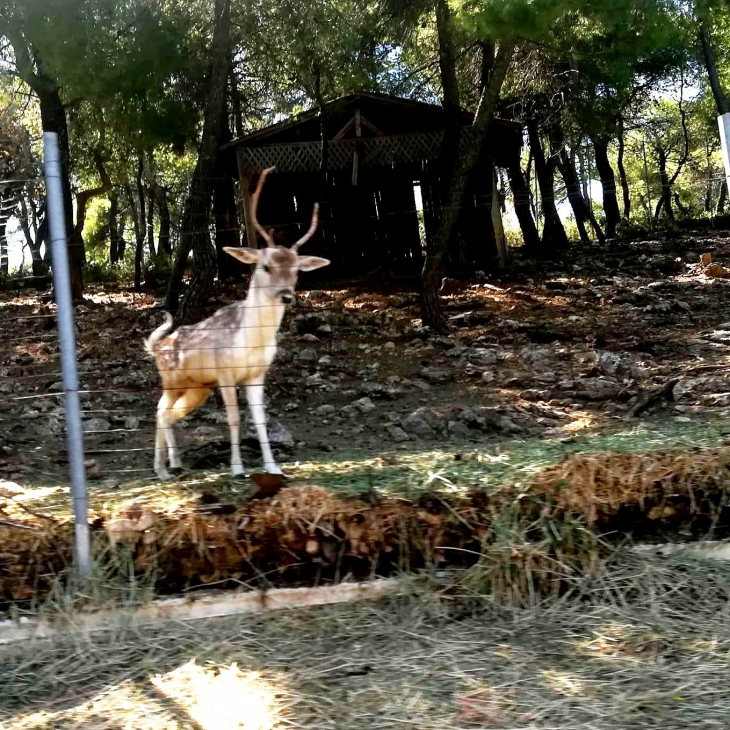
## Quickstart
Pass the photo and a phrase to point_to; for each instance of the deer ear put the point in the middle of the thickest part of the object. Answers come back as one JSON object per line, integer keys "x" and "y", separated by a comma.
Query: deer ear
{"x": 246, "y": 255}
{"x": 309, "y": 263}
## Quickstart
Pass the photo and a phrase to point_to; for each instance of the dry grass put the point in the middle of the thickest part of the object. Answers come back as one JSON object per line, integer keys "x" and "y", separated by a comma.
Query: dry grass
{"x": 646, "y": 645}
{"x": 593, "y": 484}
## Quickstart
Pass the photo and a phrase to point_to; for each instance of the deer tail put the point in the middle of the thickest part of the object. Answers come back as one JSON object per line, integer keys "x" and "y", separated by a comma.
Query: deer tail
{"x": 151, "y": 342}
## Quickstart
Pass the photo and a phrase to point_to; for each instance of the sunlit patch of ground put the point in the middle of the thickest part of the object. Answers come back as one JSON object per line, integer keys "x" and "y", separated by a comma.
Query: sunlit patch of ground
{"x": 206, "y": 698}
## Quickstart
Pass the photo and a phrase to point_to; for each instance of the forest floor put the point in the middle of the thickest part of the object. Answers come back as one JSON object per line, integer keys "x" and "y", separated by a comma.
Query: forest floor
{"x": 544, "y": 360}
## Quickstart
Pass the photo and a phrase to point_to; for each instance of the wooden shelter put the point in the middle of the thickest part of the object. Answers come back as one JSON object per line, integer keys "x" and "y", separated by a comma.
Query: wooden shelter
{"x": 380, "y": 150}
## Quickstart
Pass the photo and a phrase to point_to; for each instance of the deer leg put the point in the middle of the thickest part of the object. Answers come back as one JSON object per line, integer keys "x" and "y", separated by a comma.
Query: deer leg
{"x": 184, "y": 404}
{"x": 163, "y": 435}
{"x": 255, "y": 396}
{"x": 230, "y": 398}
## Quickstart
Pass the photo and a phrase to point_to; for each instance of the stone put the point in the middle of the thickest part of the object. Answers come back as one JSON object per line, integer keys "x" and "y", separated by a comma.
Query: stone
{"x": 488, "y": 376}
{"x": 469, "y": 417}
{"x": 279, "y": 435}
{"x": 309, "y": 338}
{"x": 609, "y": 362}
{"x": 206, "y": 432}
{"x": 597, "y": 389}
{"x": 131, "y": 423}
{"x": 55, "y": 425}
{"x": 482, "y": 356}
{"x": 417, "y": 426}
{"x": 398, "y": 434}
{"x": 324, "y": 410}
{"x": 324, "y": 360}
{"x": 533, "y": 394}
{"x": 692, "y": 386}
{"x": 437, "y": 375}
{"x": 458, "y": 429}
{"x": 389, "y": 346}
{"x": 364, "y": 405}
{"x": 308, "y": 354}
{"x": 96, "y": 425}
{"x": 431, "y": 417}
{"x": 535, "y": 354}
{"x": 324, "y": 330}
{"x": 660, "y": 307}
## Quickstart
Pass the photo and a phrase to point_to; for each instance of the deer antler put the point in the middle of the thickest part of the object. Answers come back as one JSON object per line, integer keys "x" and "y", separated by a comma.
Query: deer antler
{"x": 268, "y": 237}
{"x": 312, "y": 229}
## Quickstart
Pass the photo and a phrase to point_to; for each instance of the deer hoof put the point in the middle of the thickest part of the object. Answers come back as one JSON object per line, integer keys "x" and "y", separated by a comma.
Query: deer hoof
{"x": 273, "y": 469}
{"x": 163, "y": 475}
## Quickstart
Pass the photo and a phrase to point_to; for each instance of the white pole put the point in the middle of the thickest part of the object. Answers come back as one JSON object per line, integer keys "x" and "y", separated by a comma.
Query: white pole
{"x": 723, "y": 122}
{"x": 62, "y": 289}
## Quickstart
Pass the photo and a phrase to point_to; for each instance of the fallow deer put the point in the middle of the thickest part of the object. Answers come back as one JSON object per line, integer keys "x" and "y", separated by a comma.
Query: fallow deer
{"x": 235, "y": 346}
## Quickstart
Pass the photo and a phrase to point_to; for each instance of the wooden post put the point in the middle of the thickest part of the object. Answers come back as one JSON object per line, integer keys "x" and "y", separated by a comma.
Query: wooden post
{"x": 356, "y": 153}
{"x": 244, "y": 179}
{"x": 499, "y": 236}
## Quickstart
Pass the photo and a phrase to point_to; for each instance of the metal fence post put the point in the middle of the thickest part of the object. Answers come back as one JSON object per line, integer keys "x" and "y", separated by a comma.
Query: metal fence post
{"x": 62, "y": 289}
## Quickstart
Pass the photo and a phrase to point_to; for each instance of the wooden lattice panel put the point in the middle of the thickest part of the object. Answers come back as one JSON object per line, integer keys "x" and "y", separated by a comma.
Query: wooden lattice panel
{"x": 373, "y": 152}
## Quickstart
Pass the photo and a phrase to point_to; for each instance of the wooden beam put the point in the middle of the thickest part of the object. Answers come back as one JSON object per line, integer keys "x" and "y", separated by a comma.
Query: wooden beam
{"x": 344, "y": 130}
{"x": 244, "y": 179}
{"x": 356, "y": 154}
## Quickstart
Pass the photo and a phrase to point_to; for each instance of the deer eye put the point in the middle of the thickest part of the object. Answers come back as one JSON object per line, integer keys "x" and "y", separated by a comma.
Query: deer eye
{"x": 267, "y": 269}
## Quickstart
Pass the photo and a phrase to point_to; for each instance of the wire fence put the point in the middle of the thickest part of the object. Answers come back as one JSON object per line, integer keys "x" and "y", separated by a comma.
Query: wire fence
{"x": 116, "y": 387}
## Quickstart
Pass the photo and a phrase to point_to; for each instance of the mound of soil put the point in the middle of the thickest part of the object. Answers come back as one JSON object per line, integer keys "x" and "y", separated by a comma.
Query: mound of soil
{"x": 308, "y": 535}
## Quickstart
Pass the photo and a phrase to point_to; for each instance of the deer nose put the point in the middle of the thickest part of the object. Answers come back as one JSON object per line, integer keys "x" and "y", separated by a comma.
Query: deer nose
{"x": 285, "y": 296}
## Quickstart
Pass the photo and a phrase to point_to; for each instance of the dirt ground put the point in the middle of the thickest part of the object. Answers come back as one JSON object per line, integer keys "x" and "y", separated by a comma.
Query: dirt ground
{"x": 540, "y": 351}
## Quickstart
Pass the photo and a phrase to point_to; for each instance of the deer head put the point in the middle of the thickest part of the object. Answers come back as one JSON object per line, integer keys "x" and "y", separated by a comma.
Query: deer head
{"x": 277, "y": 267}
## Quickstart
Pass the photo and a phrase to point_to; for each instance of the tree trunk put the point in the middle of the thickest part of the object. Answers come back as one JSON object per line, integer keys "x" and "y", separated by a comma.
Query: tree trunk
{"x": 40, "y": 268}
{"x": 665, "y": 201}
{"x": 159, "y": 194}
{"x": 236, "y": 105}
{"x": 141, "y": 218}
{"x": 722, "y": 199}
{"x": 553, "y": 232}
{"x": 521, "y": 200}
{"x": 430, "y": 303}
{"x": 121, "y": 240}
{"x": 151, "y": 225}
{"x": 113, "y": 227}
{"x": 608, "y": 183}
{"x": 570, "y": 178}
{"x": 622, "y": 170}
{"x": 721, "y": 101}
{"x": 575, "y": 197}
{"x": 138, "y": 238}
{"x": 163, "y": 240}
{"x": 53, "y": 118}
{"x": 227, "y": 232}
{"x": 194, "y": 233}
{"x": 4, "y": 261}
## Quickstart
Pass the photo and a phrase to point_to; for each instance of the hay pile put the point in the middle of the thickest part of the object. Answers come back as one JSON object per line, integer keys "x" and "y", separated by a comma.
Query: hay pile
{"x": 308, "y": 535}
{"x": 642, "y": 493}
